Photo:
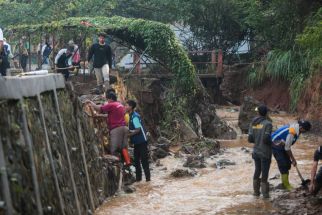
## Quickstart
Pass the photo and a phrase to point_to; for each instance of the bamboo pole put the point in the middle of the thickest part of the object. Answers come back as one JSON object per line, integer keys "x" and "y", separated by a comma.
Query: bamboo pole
{"x": 29, "y": 50}
{"x": 49, "y": 154}
{"x": 81, "y": 139}
{"x": 28, "y": 141}
{"x": 67, "y": 153}
{"x": 5, "y": 183}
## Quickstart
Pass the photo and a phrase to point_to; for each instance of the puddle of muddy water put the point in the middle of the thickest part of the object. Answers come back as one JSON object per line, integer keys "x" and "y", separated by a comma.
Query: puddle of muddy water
{"x": 213, "y": 190}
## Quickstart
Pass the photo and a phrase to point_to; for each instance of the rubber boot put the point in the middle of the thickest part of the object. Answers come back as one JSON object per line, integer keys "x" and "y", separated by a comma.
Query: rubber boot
{"x": 265, "y": 189}
{"x": 256, "y": 186}
{"x": 286, "y": 183}
{"x": 126, "y": 157}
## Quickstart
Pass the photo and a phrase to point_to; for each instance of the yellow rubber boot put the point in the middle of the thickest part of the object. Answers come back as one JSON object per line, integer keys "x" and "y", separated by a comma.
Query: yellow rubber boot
{"x": 286, "y": 183}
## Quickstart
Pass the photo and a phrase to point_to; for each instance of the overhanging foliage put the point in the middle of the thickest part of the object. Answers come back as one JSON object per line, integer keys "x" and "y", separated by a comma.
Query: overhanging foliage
{"x": 156, "y": 38}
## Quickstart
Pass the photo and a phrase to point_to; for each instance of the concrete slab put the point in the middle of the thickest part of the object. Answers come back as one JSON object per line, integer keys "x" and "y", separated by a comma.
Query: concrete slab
{"x": 14, "y": 87}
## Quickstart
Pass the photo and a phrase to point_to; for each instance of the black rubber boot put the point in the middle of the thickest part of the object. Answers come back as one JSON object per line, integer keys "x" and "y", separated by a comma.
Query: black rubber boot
{"x": 256, "y": 186}
{"x": 265, "y": 189}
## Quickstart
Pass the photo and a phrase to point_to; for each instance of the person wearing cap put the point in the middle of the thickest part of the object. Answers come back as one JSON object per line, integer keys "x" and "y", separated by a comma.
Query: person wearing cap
{"x": 102, "y": 62}
{"x": 259, "y": 134}
{"x": 283, "y": 139}
{"x": 115, "y": 123}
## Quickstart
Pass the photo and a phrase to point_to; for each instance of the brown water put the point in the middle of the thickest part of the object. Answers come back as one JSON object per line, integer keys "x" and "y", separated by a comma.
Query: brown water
{"x": 212, "y": 191}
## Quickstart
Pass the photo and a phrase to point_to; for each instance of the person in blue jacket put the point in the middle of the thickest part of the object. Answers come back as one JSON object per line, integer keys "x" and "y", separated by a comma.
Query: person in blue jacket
{"x": 138, "y": 138}
{"x": 283, "y": 139}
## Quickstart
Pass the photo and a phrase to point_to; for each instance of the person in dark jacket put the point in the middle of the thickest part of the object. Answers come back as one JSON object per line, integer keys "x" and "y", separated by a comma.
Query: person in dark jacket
{"x": 139, "y": 140}
{"x": 102, "y": 62}
{"x": 4, "y": 61}
{"x": 260, "y": 134}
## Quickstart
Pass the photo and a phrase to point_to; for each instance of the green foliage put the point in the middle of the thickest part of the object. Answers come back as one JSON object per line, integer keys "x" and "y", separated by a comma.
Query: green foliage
{"x": 157, "y": 38}
{"x": 293, "y": 66}
{"x": 174, "y": 108}
{"x": 39, "y": 11}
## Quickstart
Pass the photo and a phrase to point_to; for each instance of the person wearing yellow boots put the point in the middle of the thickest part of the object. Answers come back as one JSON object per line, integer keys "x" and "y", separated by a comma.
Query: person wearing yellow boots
{"x": 260, "y": 134}
{"x": 283, "y": 139}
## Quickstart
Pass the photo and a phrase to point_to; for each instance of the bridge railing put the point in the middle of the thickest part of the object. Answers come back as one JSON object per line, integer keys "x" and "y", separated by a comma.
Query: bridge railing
{"x": 208, "y": 62}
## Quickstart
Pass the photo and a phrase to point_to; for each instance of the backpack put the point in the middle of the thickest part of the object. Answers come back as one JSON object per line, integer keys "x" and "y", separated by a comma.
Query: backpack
{"x": 47, "y": 51}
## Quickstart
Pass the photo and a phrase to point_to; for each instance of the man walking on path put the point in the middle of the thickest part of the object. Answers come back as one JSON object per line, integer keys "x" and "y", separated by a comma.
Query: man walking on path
{"x": 116, "y": 125}
{"x": 102, "y": 62}
{"x": 260, "y": 134}
{"x": 283, "y": 139}
{"x": 138, "y": 139}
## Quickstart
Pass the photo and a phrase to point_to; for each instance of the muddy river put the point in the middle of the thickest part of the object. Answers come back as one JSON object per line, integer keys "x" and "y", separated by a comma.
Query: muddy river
{"x": 212, "y": 190}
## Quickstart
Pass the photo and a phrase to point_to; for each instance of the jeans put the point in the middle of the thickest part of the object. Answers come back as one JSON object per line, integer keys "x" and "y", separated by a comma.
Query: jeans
{"x": 141, "y": 157}
{"x": 262, "y": 166}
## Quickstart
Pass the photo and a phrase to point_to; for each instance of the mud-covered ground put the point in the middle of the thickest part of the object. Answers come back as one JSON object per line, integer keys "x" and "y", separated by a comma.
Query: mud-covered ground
{"x": 222, "y": 184}
{"x": 298, "y": 201}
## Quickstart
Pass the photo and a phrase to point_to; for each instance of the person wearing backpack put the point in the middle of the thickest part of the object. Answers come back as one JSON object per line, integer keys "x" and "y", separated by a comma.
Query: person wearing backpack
{"x": 45, "y": 52}
{"x": 138, "y": 138}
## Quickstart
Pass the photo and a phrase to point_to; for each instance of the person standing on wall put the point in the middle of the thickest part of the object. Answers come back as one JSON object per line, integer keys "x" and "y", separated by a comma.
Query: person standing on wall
{"x": 260, "y": 134}
{"x": 102, "y": 62}
{"x": 116, "y": 125}
{"x": 138, "y": 138}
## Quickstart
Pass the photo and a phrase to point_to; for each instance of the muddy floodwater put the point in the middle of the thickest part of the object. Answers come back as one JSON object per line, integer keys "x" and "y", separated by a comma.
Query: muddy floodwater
{"x": 213, "y": 190}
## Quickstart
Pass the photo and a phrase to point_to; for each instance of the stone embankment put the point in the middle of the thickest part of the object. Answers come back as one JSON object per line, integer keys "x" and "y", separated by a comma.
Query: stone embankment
{"x": 51, "y": 161}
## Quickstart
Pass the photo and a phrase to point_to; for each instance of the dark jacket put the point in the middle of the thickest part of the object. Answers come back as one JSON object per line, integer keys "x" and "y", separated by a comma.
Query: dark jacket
{"x": 4, "y": 62}
{"x": 141, "y": 136}
{"x": 102, "y": 55}
{"x": 260, "y": 134}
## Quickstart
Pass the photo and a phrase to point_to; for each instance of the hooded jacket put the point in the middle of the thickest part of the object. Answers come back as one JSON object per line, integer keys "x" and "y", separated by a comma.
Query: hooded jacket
{"x": 260, "y": 134}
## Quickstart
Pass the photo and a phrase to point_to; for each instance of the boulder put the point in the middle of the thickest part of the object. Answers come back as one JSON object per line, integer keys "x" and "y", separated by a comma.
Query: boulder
{"x": 186, "y": 132}
{"x": 180, "y": 173}
{"x": 195, "y": 162}
{"x": 159, "y": 153}
{"x": 247, "y": 113}
{"x": 224, "y": 162}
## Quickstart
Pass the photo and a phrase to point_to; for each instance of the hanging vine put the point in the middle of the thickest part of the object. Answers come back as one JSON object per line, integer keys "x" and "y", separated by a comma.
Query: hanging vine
{"x": 162, "y": 43}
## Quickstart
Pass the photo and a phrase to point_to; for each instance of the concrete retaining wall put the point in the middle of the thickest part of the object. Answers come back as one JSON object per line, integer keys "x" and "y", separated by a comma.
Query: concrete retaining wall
{"x": 51, "y": 161}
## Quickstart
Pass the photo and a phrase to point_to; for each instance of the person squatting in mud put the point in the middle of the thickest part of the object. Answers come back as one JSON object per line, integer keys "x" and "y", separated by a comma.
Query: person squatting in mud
{"x": 283, "y": 139}
{"x": 316, "y": 179}
{"x": 260, "y": 134}
{"x": 116, "y": 124}
{"x": 139, "y": 139}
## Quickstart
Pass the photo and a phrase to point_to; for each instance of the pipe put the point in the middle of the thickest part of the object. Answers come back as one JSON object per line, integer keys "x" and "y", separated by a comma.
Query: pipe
{"x": 50, "y": 156}
{"x": 5, "y": 183}
{"x": 67, "y": 153}
{"x": 28, "y": 141}
{"x": 81, "y": 139}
